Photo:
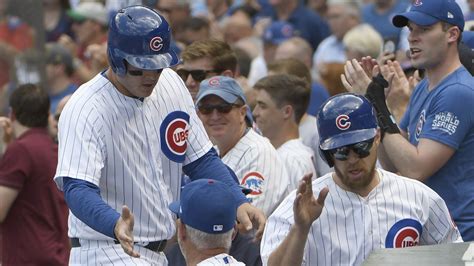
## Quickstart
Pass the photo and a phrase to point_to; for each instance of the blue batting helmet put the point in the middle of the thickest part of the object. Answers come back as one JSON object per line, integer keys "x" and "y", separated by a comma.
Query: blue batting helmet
{"x": 142, "y": 37}
{"x": 345, "y": 119}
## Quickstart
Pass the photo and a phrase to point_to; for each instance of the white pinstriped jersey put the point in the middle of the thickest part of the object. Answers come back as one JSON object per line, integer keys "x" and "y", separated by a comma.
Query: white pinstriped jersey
{"x": 309, "y": 135}
{"x": 298, "y": 159}
{"x": 398, "y": 212}
{"x": 133, "y": 150}
{"x": 221, "y": 260}
{"x": 257, "y": 165}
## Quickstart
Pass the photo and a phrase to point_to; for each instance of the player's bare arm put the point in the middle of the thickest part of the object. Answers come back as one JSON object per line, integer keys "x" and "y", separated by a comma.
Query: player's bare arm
{"x": 306, "y": 209}
{"x": 124, "y": 232}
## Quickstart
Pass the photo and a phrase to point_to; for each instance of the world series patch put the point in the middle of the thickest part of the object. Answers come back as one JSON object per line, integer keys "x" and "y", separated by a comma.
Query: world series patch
{"x": 404, "y": 233}
{"x": 174, "y": 132}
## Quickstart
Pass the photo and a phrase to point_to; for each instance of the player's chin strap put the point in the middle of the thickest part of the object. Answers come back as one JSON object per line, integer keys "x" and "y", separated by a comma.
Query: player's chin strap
{"x": 376, "y": 95}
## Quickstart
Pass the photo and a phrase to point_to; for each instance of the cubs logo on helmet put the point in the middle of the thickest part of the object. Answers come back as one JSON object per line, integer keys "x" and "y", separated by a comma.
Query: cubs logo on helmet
{"x": 342, "y": 122}
{"x": 253, "y": 181}
{"x": 156, "y": 43}
{"x": 404, "y": 233}
{"x": 174, "y": 132}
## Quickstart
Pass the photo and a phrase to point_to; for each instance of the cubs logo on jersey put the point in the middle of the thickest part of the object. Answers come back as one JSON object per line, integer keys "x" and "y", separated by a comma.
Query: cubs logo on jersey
{"x": 420, "y": 124}
{"x": 174, "y": 132}
{"x": 254, "y": 181}
{"x": 404, "y": 233}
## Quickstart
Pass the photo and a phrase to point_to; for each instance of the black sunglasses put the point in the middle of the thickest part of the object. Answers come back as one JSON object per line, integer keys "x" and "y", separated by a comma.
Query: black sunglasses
{"x": 197, "y": 74}
{"x": 224, "y": 108}
{"x": 362, "y": 149}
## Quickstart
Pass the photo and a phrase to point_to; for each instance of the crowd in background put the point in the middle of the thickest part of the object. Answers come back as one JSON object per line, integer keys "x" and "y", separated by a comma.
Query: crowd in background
{"x": 65, "y": 45}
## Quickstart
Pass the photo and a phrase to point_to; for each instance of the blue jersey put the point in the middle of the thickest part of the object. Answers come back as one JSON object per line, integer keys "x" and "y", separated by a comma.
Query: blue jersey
{"x": 445, "y": 115}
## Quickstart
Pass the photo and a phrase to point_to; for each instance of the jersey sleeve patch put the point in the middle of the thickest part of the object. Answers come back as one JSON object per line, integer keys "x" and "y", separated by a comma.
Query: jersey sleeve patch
{"x": 253, "y": 181}
{"x": 174, "y": 132}
{"x": 404, "y": 233}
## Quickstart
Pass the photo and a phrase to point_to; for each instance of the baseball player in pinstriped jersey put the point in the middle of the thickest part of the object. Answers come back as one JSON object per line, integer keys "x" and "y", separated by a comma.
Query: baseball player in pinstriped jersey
{"x": 222, "y": 107}
{"x": 358, "y": 208}
{"x": 125, "y": 138}
{"x": 282, "y": 101}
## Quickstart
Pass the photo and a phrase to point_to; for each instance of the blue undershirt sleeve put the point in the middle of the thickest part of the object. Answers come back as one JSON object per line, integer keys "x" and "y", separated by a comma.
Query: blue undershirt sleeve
{"x": 85, "y": 202}
{"x": 211, "y": 166}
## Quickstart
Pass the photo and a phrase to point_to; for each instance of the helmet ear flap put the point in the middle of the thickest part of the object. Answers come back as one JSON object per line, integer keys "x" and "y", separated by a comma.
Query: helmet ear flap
{"x": 117, "y": 63}
{"x": 327, "y": 157}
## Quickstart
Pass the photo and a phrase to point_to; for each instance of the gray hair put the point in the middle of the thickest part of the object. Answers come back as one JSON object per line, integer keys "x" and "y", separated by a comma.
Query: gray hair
{"x": 204, "y": 240}
{"x": 364, "y": 39}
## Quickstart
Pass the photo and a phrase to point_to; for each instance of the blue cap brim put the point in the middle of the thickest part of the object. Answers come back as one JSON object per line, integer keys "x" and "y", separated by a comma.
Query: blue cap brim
{"x": 221, "y": 93}
{"x": 348, "y": 138}
{"x": 174, "y": 207}
{"x": 416, "y": 17}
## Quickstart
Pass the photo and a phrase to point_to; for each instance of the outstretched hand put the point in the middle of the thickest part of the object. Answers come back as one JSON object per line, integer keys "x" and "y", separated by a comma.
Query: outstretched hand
{"x": 124, "y": 232}
{"x": 249, "y": 217}
{"x": 306, "y": 207}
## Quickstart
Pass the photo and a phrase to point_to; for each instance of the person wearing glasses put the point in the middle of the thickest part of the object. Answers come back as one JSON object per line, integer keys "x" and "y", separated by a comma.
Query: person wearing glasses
{"x": 222, "y": 107}
{"x": 204, "y": 59}
{"x": 341, "y": 217}
{"x": 125, "y": 139}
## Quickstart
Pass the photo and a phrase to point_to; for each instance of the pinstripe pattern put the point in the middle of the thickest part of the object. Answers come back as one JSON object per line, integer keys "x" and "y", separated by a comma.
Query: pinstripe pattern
{"x": 113, "y": 141}
{"x": 254, "y": 153}
{"x": 221, "y": 260}
{"x": 298, "y": 159}
{"x": 95, "y": 252}
{"x": 350, "y": 226}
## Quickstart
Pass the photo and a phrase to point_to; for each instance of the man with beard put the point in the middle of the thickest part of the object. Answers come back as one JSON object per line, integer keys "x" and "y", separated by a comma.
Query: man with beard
{"x": 357, "y": 208}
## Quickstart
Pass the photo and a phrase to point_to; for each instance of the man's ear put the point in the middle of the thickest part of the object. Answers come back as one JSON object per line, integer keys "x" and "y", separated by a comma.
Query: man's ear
{"x": 235, "y": 232}
{"x": 287, "y": 111}
{"x": 228, "y": 73}
{"x": 454, "y": 34}
{"x": 181, "y": 230}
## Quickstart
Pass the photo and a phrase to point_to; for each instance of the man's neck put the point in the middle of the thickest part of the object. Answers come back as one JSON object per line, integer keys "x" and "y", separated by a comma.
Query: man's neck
{"x": 287, "y": 132}
{"x": 58, "y": 85}
{"x": 18, "y": 129}
{"x": 438, "y": 73}
{"x": 285, "y": 9}
{"x": 224, "y": 148}
{"x": 193, "y": 257}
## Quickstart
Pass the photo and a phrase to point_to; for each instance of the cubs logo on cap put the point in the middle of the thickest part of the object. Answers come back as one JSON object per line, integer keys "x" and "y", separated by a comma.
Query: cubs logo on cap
{"x": 156, "y": 43}
{"x": 417, "y": 3}
{"x": 404, "y": 233}
{"x": 253, "y": 181}
{"x": 174, "y": 132}
{"x": 214, "y": 81}
{"x": 342, "y": 122}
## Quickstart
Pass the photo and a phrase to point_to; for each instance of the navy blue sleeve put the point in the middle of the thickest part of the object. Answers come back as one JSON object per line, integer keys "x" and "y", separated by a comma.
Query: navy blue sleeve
{"x": 85, "y": 202}
{"x": 211, "y": 166}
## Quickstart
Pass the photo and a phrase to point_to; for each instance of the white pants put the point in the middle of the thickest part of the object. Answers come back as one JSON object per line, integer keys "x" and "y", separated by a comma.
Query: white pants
{"x": 100, "y": 252}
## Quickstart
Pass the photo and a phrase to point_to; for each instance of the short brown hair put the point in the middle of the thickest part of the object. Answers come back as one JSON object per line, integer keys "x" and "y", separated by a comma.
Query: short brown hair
{"x": 287, "y": 89}
{"x": 30, "y": 105}
{"x": 220, "y": 53}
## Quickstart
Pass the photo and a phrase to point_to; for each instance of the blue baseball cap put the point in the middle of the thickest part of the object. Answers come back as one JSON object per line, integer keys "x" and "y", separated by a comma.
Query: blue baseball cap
{"x": 428, "y": 12}
{"x": 207, "y": 205}
{"x": 278, "y": 32}
{"x": 225, "y": 88}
